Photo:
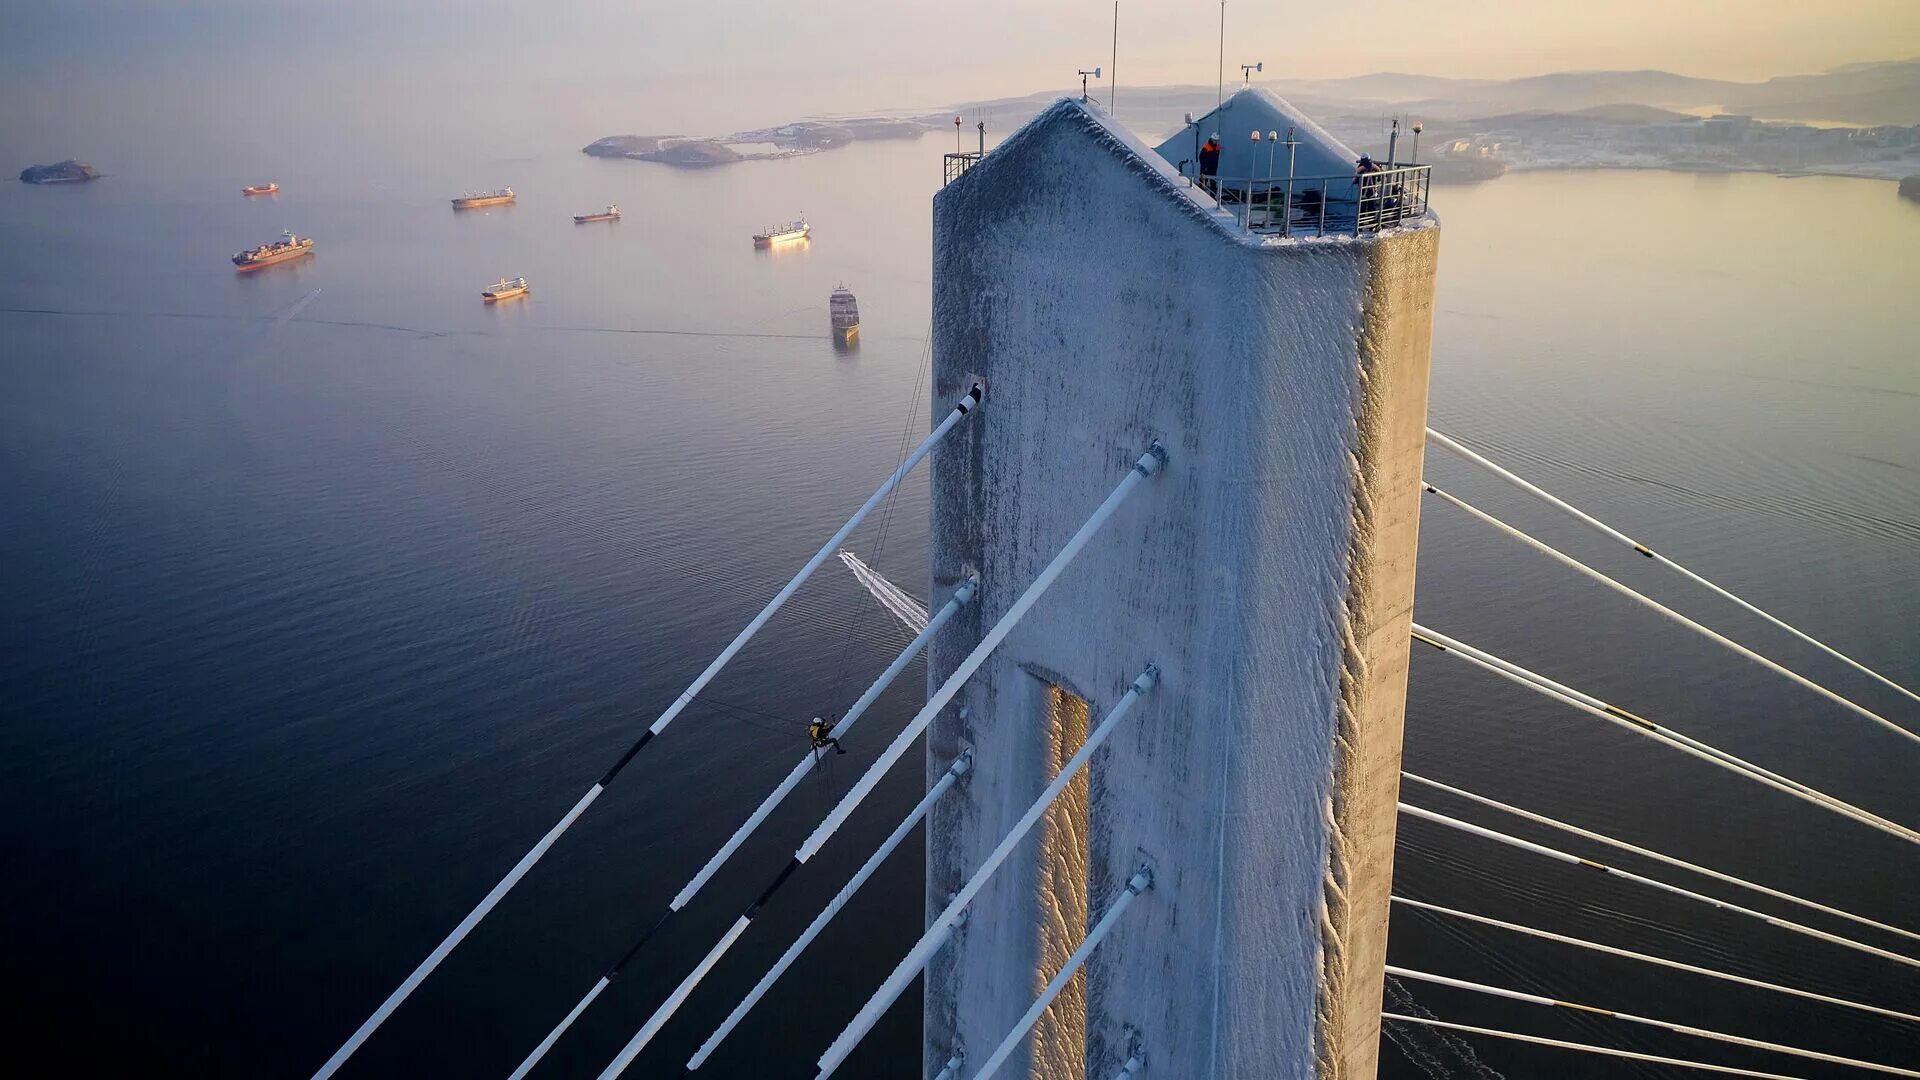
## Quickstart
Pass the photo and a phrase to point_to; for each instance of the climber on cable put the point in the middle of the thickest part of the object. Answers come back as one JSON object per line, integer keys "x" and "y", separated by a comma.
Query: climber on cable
{"x": 821, "y": 732}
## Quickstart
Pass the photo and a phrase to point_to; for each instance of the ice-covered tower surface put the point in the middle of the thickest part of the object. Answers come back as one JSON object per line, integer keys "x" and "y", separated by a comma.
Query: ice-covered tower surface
{"x": 1235, "y": 121}
{"x": 1267, "y": 571}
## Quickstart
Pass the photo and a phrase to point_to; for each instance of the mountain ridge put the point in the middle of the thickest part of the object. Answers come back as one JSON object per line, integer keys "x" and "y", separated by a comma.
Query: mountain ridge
{"x": 1867, "y": 93}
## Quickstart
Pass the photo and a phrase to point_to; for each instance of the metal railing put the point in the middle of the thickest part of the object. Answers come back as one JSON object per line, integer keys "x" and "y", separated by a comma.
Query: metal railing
{"x": 958, "y": 164}
{"x": 1349, "y": 204}
{"x": 1321, "y": 205}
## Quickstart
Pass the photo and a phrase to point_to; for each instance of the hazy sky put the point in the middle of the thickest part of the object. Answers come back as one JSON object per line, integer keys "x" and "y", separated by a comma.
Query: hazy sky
{"x": 774, "y": 59}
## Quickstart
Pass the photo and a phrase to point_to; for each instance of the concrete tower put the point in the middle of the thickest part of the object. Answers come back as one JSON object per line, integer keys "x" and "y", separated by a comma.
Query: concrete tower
{"x": 1105, "y": 301}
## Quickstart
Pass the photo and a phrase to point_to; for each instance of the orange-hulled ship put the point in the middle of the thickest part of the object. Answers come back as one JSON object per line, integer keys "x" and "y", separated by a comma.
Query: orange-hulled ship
{"x": 287, "y": 248}
{"x": 484, "y": 198}
{"x": 505, "y": 289}
{"x": 271, "y": 187}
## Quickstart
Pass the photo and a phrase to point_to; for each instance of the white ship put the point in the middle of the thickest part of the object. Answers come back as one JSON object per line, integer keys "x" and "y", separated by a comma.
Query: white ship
{"x": 797, "y": 229}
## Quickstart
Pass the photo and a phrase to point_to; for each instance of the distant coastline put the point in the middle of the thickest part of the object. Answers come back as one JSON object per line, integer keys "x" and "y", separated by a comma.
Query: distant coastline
{"x": 1476, "y": 158}
{"x": 1475, "y": 130}
{"x": 1480, "y": 170}
{"x": 1706, "y": 170}
{"x": 766, "y": 144}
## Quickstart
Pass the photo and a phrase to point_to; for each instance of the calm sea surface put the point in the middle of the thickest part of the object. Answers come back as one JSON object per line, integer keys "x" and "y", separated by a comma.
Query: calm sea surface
{"x": 328, "y": 589}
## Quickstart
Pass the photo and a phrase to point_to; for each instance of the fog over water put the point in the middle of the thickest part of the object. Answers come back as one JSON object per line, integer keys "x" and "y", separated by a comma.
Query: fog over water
{"x": 330, "y": 588}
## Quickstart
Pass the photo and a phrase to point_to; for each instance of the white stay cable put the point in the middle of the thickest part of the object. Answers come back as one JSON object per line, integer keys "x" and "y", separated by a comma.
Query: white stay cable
{"x": 672, "y": 1004}
{"x": 1610, "y": 950}
{"x": 1141, "y": 881}
{"x": 1664, "y": 1025}
{"x": 1639, "y": 879}
{"x": 1606, "y": 1051}
{"x": 1612, "y": 533}
{"x": 942, "y": 927}
{"x": 1640, "y": 725}
{"x": 833, "y": 908}
{"x": 1149, "y": 465}
{"x": 1712, "y": 635}
{"x": 808, "y": 761}
{"x": 539, "y": 850}
{"x": 1648, "y": 853}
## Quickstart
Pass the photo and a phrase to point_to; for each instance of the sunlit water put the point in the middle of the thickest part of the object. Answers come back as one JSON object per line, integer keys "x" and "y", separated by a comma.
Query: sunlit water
{"x": 329, "y": 588}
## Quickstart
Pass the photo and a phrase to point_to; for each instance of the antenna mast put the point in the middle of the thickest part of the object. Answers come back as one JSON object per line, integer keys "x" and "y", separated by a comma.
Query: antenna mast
{"x": 1113, "y": 62}
{"x": 1220, "y": 71}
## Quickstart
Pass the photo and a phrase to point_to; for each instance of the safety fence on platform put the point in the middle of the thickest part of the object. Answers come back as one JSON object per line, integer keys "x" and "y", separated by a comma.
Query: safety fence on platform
{"x": 1321, "y": 205}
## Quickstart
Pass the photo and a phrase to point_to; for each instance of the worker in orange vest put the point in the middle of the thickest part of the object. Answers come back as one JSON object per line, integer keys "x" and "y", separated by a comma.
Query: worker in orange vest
{"x": 1210, "y": 163}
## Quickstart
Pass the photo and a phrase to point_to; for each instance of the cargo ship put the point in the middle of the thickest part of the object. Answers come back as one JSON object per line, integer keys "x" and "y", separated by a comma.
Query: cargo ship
{"x": 271, "y": 187}
{"x": 504, "y": 290}
{"x": 782, "y": 234}
{"x": 844, "y": 313}
{"x": 282, "y": 250}
{"x": 611, "y": 213}
{"x": 484, "y": 198}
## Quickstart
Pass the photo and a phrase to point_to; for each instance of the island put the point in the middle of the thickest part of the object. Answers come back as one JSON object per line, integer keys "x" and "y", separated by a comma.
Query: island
{"x": 625, "y": 145}
{"x": 785, "y": 141}
{"x": 64, "y": 172}
{"x": 666, "y": 149}
{"x": 693, "y": 152}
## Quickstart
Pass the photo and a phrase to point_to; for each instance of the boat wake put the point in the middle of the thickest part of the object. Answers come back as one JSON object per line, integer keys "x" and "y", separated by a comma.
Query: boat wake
{"x": 1435, "y": 1051}
{"x": 898, "y": 602}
